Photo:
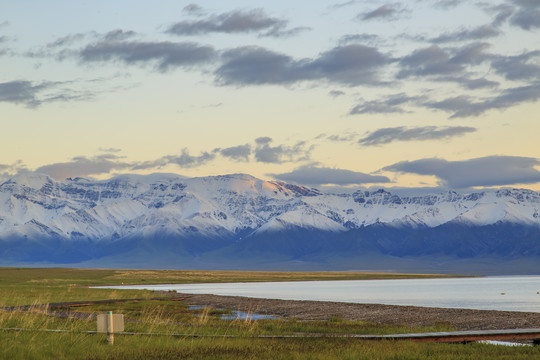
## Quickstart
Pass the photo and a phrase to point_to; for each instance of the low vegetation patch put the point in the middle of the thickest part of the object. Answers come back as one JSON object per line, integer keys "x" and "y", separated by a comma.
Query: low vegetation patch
{"x": 172, "y": 329}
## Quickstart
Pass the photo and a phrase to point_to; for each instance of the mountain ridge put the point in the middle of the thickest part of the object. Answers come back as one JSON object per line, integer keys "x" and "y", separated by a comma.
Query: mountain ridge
{"x": 214, "y": 217}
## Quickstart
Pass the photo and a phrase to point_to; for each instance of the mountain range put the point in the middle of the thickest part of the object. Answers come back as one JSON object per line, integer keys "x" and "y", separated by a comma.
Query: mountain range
{"x": 241, "y": 222}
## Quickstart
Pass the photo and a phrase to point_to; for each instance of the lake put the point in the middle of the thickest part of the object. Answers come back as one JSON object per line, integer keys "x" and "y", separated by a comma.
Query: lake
{"x": 510, "y": 293}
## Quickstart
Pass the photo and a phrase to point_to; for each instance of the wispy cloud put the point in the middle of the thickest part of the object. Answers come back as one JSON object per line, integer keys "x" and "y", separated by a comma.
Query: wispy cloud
{"x": 467, "y": 106}
{"x": 32, "y": 94}
{"x": 386, "y": 105}
{"x": 237, "y": 21}
{"x": 401, "y": 133}
{"x": 384, "y": 12}
{"x": 479, "y": 33}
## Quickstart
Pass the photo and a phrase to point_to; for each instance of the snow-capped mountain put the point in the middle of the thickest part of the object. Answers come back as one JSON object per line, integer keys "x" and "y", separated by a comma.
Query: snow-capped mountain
{"x": 209, "y": 215}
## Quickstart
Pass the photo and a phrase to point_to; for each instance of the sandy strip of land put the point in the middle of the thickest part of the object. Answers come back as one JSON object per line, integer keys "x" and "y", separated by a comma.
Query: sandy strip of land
{"x": 461, "y": 319}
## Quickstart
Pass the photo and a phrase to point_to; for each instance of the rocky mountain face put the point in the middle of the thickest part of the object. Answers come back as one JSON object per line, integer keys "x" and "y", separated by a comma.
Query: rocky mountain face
{"x": 238, "y": 221}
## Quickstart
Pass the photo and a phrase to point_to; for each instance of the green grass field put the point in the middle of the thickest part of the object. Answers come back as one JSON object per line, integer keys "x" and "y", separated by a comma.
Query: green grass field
{"x": 181, "y": 332}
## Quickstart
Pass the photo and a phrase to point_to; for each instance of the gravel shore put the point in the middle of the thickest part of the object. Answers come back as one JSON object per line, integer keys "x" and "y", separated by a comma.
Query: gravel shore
{"x": 461, "y": 319}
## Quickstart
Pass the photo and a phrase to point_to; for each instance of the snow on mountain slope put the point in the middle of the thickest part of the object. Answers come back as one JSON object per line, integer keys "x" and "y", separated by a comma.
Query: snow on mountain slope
{"x": 34, "y": 205}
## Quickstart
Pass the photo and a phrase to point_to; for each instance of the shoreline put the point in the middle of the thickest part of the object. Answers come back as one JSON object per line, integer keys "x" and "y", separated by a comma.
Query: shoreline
{"x": 461, "y": 319}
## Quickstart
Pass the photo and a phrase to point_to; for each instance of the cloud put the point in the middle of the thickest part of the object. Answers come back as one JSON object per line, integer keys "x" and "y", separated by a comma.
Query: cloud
{"x": 527, "y": 16}
{"x": 237, "y": 21}
{"x": 193, "y": 9}
{"x": 184, "y": 160}
{"x": 467, "y": 106}
{"x": 82, "y": 166}
{"x": 447, "y": 4}
{"x": 478, "y": 33}
{"x": 66, "y": 40}
{"x": 472, "y": 84}
{"x": 33, "y": 95}
{"x": 21, "y": 92}
{"x": 343, "y": 4}
{"x": 315, "y": 176}
{"x": 485, "y": 171}
{"x": 401, "y": 133}
{"x": 341, "y": 137}
{"x": 521, "y": 67}
{"x": 237, "y": 153}
{"x": 8, "y": 170}
{"x": 359, "y": 38}
{"x": 385, "y": 12}
{"x": 164, "y": 55}
{"x": 388, "y": 105}
{"x": 502, "y": 13}
{"x": 434, "y": 60}
{"x": 110, "y": 150}
{"x": 285, "y": 33}
{"x": 350, "y": 65}
{"x": 266, "y": 153}
{"x": 336, "y": 93}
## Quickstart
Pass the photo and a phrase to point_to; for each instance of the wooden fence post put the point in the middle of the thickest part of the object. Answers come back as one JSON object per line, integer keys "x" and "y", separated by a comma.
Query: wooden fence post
{"x": 110, "y": 329}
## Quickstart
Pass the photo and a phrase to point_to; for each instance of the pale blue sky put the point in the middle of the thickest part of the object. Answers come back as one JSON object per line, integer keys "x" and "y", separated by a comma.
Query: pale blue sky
{"x": 347, "y": 93}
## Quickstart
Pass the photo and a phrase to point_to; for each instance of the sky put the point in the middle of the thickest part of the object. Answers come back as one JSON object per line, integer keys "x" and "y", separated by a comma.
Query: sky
{"x": 421, "y": 94}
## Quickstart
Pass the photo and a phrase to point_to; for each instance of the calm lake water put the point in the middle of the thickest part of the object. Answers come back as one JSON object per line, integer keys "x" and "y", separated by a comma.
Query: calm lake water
{"x": 512, "y": 293}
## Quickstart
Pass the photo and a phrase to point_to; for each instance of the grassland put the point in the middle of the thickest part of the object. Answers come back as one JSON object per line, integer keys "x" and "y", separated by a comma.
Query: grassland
{"x": 187, "y": 333}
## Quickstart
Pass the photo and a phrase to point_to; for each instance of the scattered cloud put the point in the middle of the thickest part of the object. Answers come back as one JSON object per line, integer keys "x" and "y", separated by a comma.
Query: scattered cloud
{"x": 237, "y": 153}
{"x": 266, "y": 153}
{"x": 525, "y": 66}
{"x": 502, "y": 13}
{"x": 342, "y": 137}
{"x": 237, "y": 21}
{"x": 33, "y": 95}
{"x": 448, "y": 4}
{"x": 467, "y": 106}
{"x": 384, "y": 12}
{"x": 478, "y": 33}
{"x": 82, "y": 166}
{"x": 527, "y": 16}
{"x": 164, "y": 55}
{"x": 387, "y": 105}
{"x": 315, "y": 176}
{"x": 343, "y": 4}
{"x": 485, "y": 171}
{"x": 401, "y": 133}
{"x": 359, "y": 38}
{"x": 66, "y": 40}
{"x": 350, "y": 65}
{"x": 22, "y": 92}
{"x": 436, "y": 61}
{"x": 110, "y": 150}
{"x": 336, "y": 93}
{"x": 471, "y": 84}
{"x": 185, "y": 160}
{"x": 193, "y": 9}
